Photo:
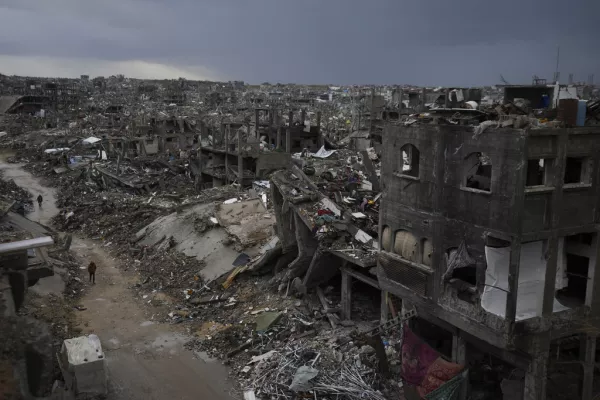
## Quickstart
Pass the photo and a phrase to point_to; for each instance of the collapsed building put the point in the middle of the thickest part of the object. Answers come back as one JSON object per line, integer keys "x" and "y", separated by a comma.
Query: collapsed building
{"x": 26, "y": 351}
{"x": 493, "y": 239}
{"x": 477, "y": 233}
{"x": 243, "y": 152}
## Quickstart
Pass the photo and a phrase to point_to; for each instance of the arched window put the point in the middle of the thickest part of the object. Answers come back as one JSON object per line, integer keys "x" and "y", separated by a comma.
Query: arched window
{"x": 478, "y": 172}
{"x": 386, "y": 238}
{"x": 410, "y": 160}
{"x": 406, "y": 245}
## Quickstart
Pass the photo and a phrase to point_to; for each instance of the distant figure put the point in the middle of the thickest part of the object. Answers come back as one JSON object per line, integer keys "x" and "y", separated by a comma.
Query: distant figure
{"x": 39, "y": 200}
{"x": 92, "y": 272}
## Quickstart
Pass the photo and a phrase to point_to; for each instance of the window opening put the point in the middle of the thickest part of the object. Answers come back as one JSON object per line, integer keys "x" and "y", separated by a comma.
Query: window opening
{"x": 537, "y": 172}
{"x": 479, "y": 172}
{"x": 578, "y": 170}
{"x": 410, "y": 160}
{"x": 578, "y": 250}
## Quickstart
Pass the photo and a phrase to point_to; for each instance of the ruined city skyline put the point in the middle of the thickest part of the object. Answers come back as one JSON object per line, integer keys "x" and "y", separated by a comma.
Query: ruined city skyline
{"x": 349, "y": 42}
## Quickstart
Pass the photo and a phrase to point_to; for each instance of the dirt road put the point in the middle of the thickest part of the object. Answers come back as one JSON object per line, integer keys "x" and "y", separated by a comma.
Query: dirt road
{"x": 146, "y": 360}
{"x": 42, "y": 214}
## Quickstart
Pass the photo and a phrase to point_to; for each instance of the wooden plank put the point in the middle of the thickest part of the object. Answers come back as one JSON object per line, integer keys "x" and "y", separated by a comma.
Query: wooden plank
{"x": 325, "y": 305}
{"x": 346, "y": 295}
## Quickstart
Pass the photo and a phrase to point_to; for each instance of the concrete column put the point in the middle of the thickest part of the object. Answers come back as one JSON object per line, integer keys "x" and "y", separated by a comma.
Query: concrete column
{"x": 546, "y": 301}
{"x": 226, "y": 132}
{"x": 459, "y": 356}
{"x": 592, "y": 291}
{"x": 516, "y": 224}
{"x": 199, "y": 161}
{"x": 406, "y": 307}
{"x": 447, "y": 101}
{"x": 222, "y": 134}
{"x": 288, "y": 133}
{"x": 257, "y": 122}
{"x": 588, "y": 356}
{"x": 240, "y": 158}
{"x": 319, "y": 133}
{"x": 423, "y": 98}
{"x": 401, "y": 97}
{"x": 513, "y": 282}
{"x": 536, "y": 374}
{"x": 346, "y": 302}
{"x": 278, "y": 137}
{"x": 372, "y": 111}
{"x": 384, "y": 308}
{"x": 459, "y": 349}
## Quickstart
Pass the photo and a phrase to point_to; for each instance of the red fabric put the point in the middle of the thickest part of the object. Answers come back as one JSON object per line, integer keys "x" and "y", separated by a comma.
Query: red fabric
{"x": 417, "y": 357}
{"x": 325, "y": 212}
{"x": 440, "y": 372}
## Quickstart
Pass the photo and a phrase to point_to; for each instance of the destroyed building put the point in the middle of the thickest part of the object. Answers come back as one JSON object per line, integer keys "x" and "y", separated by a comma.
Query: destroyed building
{"x": 493, "y": 239}
{"x": 244, "y": 151}
{"x": 26, "y": 351}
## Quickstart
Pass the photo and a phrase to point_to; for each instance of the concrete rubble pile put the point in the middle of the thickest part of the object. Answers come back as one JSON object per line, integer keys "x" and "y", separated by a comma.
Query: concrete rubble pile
{"x": 15, "y": 197}
{"x": 34, "y": 322}
{"x": 266, "y": 340}
{"x": 251, "y": 213}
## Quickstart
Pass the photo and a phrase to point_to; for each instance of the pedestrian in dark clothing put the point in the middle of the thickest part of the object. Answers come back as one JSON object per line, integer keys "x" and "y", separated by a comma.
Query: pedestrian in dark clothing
{"x": 39, "y": 200}
{"x": 92, "y": 272}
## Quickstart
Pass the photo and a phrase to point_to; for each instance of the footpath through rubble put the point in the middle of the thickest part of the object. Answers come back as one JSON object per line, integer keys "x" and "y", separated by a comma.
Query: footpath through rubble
{"x": 191, "y": 248}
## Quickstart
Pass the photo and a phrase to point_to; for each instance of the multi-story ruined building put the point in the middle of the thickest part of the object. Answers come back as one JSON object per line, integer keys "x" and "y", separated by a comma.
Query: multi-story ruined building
{"x": 236, "y": 150}
{"x": 494, "y": 238}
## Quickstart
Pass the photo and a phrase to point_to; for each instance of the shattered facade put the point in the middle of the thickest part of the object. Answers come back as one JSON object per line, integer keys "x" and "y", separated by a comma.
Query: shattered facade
{"x": 493, "y": 238}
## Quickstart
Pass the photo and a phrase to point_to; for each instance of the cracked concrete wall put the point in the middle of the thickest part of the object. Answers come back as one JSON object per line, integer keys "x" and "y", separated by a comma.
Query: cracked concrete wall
{"x": 436, "y": 206}
{"x": 307, "y": 246}
{"x": 579, "y": 201}
{"x": 285, "y": 220}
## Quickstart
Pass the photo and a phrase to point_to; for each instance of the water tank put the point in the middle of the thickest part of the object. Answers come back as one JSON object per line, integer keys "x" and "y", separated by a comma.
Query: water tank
{"x": 406, "y": 246}
{"x": 386, "y": 238}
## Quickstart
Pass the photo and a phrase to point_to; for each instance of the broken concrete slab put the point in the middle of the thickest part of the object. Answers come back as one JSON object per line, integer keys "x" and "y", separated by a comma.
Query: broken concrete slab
{"x": 267, "y": 319}
{"x": 207, "y": 246}
{"x": 247, "y": 220}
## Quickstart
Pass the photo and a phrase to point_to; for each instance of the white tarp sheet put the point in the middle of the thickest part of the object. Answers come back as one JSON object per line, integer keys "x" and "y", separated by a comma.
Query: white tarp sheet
{"x": 532, "y": 272}
{"x": 322, "y": 153}
{"x": 52, "y": 151}
{"x": 91, "y": 140}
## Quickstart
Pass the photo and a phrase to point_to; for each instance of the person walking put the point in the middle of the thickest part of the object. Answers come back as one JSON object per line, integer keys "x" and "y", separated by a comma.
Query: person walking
{"x": 92, "y": 272}
{"x": 39, "y": 200}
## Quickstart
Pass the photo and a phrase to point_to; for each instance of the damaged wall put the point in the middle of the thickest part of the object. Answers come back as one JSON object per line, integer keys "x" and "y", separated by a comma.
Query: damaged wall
{"x": 436, "y": 200}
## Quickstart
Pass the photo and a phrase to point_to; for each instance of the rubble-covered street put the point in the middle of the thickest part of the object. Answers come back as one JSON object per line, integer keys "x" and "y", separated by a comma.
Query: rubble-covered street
{"x": 191, "y": 239}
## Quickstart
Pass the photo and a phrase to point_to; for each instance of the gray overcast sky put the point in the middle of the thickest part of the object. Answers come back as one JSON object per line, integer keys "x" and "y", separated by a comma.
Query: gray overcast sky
{"x": 423, "y": 42}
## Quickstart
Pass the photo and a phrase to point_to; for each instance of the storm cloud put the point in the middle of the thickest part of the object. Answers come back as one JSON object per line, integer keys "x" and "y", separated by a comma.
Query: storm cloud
{"x": 436, "y": 42}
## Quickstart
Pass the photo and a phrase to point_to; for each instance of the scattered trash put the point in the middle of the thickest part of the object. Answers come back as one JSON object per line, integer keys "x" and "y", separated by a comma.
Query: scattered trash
{"x": 302, "y": 377}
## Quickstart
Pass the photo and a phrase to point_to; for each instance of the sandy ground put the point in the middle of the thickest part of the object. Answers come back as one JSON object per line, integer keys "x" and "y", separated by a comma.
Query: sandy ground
{"x": 146, "y": 360}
